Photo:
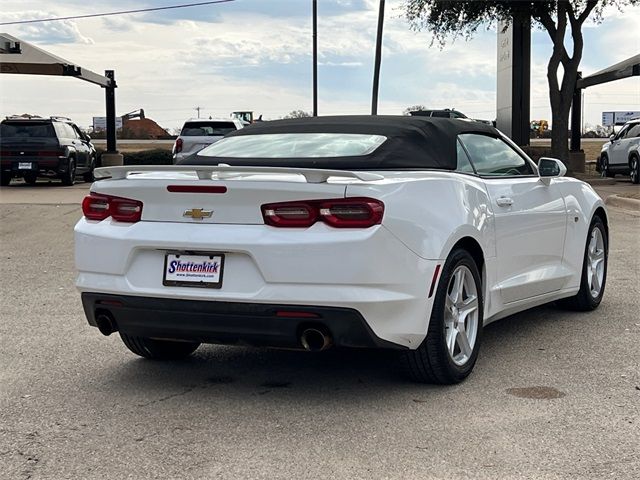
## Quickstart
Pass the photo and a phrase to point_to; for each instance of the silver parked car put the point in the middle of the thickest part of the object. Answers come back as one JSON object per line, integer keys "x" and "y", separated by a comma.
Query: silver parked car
{"x": 199, "y": 133}
{"x": 621, "y": 153}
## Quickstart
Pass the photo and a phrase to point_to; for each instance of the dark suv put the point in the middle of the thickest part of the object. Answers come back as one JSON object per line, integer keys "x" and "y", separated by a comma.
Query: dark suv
{"x": 32, "y": 147}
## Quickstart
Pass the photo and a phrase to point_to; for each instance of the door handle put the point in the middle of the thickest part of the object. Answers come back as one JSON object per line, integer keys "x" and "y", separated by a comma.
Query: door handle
{"x": 504, "y": 201}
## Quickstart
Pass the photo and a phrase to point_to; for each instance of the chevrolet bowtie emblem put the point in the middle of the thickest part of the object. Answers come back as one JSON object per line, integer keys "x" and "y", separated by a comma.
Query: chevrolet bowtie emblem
{"x": 198, "y": 213}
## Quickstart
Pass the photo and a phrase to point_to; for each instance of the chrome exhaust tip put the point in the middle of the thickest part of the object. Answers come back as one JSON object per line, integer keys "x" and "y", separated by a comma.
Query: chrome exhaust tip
{"x": 315, "y": 340}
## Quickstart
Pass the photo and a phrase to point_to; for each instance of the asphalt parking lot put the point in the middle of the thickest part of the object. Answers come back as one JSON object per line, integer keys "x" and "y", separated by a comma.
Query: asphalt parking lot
{"x": 555, "y": 394}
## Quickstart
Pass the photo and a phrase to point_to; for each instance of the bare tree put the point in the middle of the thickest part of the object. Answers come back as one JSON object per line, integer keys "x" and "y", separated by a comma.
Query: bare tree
{"x": 298, "y": 114}
{"x": 413, "y": 108}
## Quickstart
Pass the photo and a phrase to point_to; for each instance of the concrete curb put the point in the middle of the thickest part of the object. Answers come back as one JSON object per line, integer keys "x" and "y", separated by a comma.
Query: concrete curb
{"x": 596, "y": 181}
{"x": 623, "y": 202}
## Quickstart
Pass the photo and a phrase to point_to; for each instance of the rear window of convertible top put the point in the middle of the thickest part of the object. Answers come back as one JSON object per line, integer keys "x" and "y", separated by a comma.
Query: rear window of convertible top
{"x": 295, "y": 145}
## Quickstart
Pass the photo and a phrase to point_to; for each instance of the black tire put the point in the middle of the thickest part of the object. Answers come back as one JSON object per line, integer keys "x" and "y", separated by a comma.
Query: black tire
{"x": 584, "y": 300}
{"x": 5, "y": 178}
{"x": 158, "y": 349}
{"x": 634, "y": 165}
{"x": 69, "y": 177}
{"x": 604, "y": 167}
{"x": 431, "y": 362}
{"x": 30, "y": 178}
{"x": 88, "y": 176}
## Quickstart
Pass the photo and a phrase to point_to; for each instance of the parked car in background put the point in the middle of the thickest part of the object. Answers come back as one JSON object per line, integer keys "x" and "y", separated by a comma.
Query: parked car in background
{"x": 199, "y": 133}
{"x": 406, "y": 233}
{"x": 445, "y": 113}
{"x": 441, "y": 113}
{"x": 32, "y": 147}
{"x": 621, "y": 153}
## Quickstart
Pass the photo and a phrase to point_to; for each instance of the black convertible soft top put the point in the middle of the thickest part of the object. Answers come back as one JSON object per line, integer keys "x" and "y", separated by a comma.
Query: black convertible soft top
{"x": 412, "y": 142}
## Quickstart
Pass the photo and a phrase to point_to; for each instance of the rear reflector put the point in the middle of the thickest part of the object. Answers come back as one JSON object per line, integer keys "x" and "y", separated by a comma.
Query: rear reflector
{"x": 99, "y": 207}
{"x": 434, "y": 279}
{"x": 338, "y": 213}
{"x": 196, "y": 189}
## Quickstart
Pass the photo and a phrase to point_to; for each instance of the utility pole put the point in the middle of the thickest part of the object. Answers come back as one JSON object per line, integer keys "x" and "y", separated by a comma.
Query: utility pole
{"x": 198, "y": 110}
{"x": 315, "y": 57}
{"x": 378, "y": 60}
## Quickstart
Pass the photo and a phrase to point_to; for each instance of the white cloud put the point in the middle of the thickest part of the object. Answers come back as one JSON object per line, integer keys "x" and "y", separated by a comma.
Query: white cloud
{"x": 168, "y": 69}
{"x": 62, "y": 31}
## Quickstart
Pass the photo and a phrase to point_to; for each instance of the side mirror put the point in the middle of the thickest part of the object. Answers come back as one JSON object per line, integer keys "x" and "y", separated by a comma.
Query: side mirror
{"x": 611, "y": 137}
{"x": 549, "y": 168}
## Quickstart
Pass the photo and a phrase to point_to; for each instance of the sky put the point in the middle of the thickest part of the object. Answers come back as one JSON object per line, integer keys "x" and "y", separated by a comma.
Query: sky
{"x": 256, "y": 55}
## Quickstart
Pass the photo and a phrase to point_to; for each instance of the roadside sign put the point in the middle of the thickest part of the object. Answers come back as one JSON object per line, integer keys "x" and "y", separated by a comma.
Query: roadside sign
{"x": 100, "y": 123}
{"x": 610, "y": 119}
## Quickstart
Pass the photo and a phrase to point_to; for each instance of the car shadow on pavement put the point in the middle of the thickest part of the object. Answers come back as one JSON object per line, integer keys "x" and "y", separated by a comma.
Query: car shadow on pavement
{"x": 221, "y": 371}
{"x": 44, "y": 183}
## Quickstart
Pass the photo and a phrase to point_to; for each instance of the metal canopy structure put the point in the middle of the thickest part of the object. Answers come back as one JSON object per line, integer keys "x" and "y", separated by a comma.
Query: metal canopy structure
{"x": 20, "y": 57}
{"x": 625, "y": 69}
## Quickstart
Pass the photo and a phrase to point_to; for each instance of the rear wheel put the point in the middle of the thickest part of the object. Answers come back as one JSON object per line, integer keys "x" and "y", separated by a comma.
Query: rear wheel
{"x": 158, "y": 349}
{"x": 69, "y": 177}
{"x": 594, "y": 270}
{"x": 634, "y": 165}
{"x": 30, "y": 178}
{"x": 449, "y": 352}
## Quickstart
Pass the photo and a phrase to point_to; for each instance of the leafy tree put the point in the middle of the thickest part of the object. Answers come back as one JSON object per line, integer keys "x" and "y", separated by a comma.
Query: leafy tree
{"x": 559, "y": 18}
{"x": 413, "y": 108}
{"x": 298, "y": 114}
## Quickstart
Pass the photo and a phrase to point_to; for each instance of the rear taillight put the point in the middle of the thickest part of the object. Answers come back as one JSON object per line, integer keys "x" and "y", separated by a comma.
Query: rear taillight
{"x": 338, "y": 213}
{"x": 178, "y": 145}
{"x": 98, "y": 207}
{"x": 50, "y": 153}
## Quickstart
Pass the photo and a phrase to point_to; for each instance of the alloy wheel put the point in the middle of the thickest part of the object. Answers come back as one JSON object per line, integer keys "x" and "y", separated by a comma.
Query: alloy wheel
{"x": 461, "y": 315}
{"x": 604, "y": 168}
{"x": 595, "y": 262}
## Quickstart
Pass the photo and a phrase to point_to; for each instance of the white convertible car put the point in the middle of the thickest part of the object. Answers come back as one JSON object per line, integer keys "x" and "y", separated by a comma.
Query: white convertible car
{"x": 405, "y": 233}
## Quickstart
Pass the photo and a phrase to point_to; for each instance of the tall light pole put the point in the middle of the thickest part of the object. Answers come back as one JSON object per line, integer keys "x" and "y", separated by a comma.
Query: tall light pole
{"x": 378, "y": 60}
{"x": 315, "y": 58}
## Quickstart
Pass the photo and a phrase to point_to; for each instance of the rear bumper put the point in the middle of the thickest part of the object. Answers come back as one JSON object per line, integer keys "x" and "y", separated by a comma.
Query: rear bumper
{"x": 369, "y": 270}
{"x": 38, "y": 164}
{"x": 230, "y": 322}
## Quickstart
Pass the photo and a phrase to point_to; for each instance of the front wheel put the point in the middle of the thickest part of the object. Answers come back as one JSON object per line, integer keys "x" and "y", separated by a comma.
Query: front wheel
{"x": 449, "y": 352}
{"x": 158, "y": 349}
{"x": 604, "y": 168}
{"x": 594, "y": 270}
{"x": 635, "y": 169}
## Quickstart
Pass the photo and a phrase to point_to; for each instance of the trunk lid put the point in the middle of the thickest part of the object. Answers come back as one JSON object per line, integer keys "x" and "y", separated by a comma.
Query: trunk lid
{"x": 219, "y": 197}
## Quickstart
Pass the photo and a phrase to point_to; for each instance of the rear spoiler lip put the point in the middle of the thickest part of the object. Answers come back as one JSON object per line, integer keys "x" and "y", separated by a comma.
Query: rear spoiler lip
{"x": 204, "y": 172}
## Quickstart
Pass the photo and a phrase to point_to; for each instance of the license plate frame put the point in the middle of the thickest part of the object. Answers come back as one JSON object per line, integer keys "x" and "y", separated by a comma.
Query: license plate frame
{"x": 25, "y": 165}
{"x": 198, "y": 279}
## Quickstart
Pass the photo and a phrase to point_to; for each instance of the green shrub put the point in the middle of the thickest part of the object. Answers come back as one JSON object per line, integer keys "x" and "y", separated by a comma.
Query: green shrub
{"x": 157, "y": 156}
{"x": 148, "y": 157}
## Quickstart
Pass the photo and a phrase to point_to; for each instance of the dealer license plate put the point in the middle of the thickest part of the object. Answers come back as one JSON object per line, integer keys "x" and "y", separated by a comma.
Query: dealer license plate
{"x": 204, "y": 271}
{"x": 24, "y": 166}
